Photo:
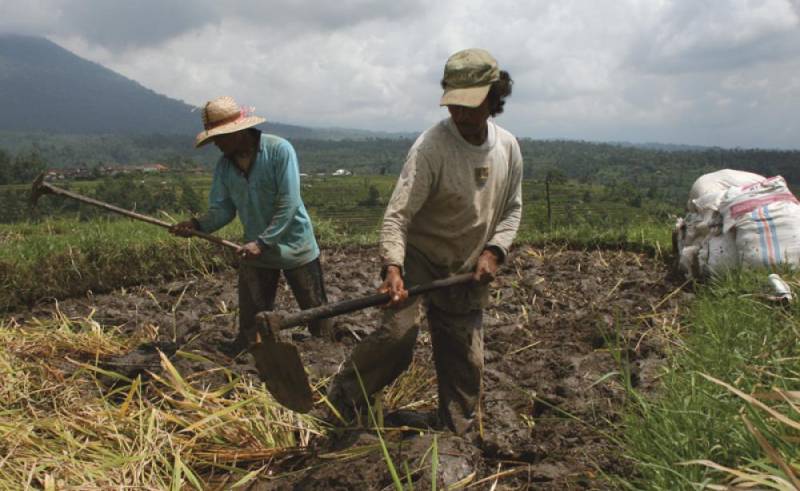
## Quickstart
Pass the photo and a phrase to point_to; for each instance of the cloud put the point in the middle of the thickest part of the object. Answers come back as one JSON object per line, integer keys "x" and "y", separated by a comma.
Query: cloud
{"x": 703, "y": 36}
{"x": 119, "y": 26}
{"x": 717, "y": 73}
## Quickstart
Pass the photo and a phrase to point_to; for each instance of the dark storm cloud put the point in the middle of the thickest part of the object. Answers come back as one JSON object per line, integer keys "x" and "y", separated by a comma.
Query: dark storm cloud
{"x": 115, "y": 25}
{"x": 144, "y": 23}
{"x": 713, "y": 72}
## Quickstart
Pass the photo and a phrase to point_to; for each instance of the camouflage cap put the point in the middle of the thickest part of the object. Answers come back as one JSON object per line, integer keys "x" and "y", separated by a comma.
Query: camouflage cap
{"x": 468, "y": 75}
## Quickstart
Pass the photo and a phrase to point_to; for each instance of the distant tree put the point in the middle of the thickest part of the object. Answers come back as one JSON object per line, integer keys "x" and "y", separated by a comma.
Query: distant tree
{"x": 552, "y": 175}
{"x": 635, "y": 200}
{"x": 373, "y": 197}
{"x": 95, "y": 172}
{"x": 118, "y": 191}
{"x": 190, "y": 199}
{"x": 9, "y": 206}
{"x": 164, "y": 196}
{"x": 5, "y": 167}
{"x": 25, "y": 167}
{"x": 555, "y": 176}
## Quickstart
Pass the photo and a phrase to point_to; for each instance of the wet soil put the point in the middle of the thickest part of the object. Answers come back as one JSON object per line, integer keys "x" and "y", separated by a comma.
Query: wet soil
{"x": 566, "y": 332}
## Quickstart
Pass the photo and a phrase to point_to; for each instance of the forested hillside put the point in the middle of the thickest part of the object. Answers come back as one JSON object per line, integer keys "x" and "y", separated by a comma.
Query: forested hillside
{"x": 45, "y": 87}
{"x": 656, "y": 173}
{"x": 629, "y": 171}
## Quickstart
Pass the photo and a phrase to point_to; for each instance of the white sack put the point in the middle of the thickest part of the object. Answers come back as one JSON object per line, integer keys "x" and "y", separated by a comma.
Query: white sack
{"x": 735, "y": 220}
{"x": 708, "y": 188}
{"x": 718, "y": 255}
{"x": 766, "y": 219}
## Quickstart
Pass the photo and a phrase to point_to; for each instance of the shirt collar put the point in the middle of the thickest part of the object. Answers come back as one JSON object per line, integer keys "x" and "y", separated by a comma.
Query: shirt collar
{"x": 491, "y": 135}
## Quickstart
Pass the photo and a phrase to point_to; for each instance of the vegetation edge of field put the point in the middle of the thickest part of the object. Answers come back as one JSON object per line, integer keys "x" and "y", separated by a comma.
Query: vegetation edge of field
{"x": 727, "y": 411}
{"x": 59, "y": 258}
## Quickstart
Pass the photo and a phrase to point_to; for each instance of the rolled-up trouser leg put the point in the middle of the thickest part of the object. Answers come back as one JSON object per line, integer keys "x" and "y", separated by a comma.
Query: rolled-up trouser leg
{"x": 308, "y": 288}
{"x": 257, "y": 288}
{"x": 379, "y": 358}
{"x": 458, "y": 355}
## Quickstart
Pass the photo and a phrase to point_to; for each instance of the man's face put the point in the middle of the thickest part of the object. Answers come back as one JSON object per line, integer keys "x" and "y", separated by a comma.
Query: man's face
{"x": 470, "y": 121}
{"x": 228, "y": 143}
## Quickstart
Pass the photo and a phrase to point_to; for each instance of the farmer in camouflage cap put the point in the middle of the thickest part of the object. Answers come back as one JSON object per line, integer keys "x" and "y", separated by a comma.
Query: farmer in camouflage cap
{"x": 455, "y": 209}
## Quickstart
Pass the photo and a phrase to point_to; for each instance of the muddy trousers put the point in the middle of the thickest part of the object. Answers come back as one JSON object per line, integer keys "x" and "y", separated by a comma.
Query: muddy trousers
{"x": 383, "y": 355}
{"x": 258, "y": 287}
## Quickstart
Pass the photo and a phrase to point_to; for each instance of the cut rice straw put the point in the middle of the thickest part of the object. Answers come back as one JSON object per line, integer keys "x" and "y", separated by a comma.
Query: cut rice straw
{"x": 60, "y": 427}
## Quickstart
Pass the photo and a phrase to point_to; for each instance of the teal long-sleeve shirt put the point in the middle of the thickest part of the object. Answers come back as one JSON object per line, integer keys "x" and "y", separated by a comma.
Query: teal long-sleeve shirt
{"x": 268, "y": 203}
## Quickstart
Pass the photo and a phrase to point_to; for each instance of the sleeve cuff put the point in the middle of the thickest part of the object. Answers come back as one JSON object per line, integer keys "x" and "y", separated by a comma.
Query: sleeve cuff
{"x": 385, "y": 269}
{"x": 498, "y": 251}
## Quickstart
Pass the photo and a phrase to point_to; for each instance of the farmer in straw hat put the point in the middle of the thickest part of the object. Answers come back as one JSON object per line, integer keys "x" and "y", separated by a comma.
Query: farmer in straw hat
{"x": 455, "y": 208}
{"x": 257, "y": 177}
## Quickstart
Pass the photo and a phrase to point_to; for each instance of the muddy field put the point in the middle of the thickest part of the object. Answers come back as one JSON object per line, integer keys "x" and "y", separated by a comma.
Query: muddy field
{"x": 566, "y": 330}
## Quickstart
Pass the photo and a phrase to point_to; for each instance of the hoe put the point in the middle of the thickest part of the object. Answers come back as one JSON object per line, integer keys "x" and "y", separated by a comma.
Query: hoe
{"x": 278, "y": 361}
{"x": 40, "y": 187}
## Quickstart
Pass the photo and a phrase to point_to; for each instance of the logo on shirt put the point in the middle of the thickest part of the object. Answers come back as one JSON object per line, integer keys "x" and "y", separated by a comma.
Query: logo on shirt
{"x": 481, "y": 175}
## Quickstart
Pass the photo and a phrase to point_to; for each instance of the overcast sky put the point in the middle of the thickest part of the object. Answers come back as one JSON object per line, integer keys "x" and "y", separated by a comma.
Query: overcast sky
{"x": 705, "y": 72}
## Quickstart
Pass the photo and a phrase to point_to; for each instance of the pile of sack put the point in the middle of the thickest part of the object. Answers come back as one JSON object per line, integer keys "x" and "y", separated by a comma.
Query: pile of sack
{"x": 737, "y": 219}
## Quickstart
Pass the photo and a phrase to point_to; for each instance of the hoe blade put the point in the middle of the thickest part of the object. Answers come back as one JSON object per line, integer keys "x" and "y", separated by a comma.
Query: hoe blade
{"x": 281, "y": 369}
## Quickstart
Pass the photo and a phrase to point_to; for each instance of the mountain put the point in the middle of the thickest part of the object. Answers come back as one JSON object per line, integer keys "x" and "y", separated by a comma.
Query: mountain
{"x": 45, "y": 88}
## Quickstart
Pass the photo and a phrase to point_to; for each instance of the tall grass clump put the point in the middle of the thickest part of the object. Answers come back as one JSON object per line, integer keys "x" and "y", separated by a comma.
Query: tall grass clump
{"x": 62, "y": 257}
{"x": 67, "y": 257}
{"x": 727, "y": 411}
{"x": 60, "y": 428}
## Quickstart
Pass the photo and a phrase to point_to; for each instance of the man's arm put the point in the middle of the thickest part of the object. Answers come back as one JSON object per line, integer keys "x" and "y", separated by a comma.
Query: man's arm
{"x": 412, "y": 189}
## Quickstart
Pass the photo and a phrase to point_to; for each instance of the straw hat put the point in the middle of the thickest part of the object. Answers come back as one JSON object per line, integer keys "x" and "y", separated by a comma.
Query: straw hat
{"x": 468, "y": 75}
{"x": 223, "y": 115}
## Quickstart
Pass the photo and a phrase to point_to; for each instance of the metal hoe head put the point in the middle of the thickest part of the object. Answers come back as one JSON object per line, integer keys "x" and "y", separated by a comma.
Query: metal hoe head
{"x": 279, "y": 365}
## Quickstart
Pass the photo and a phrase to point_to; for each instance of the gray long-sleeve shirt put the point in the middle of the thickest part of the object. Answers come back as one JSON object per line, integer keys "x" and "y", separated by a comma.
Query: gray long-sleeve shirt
{"x": 453, "y": 199}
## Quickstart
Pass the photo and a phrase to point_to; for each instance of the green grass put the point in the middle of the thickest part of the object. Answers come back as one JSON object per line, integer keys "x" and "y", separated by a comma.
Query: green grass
{"x": 647, "y": 235}
{"x": 57, "y": 258}
{"x": 67, "y": 255}
{"x": 63, "y": 257}
{"x": 737, "y": 337}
